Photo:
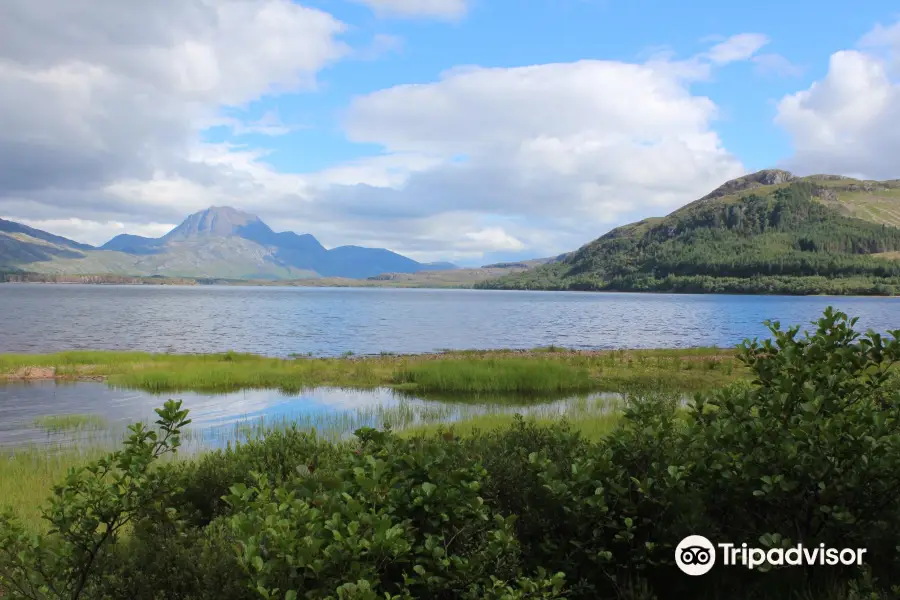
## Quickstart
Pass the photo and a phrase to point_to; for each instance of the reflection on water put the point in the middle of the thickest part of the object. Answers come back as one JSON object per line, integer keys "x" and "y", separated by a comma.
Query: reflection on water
{"x": 218, "y": 419}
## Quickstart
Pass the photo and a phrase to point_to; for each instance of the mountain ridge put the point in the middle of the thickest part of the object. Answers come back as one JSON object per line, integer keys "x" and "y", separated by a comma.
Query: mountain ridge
{"x": 765, "y": 232}
{"x": 218, "y": 242}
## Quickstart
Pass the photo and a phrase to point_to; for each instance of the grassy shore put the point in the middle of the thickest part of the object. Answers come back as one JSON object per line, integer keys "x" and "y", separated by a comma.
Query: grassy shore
{"x": 534, "y": 371}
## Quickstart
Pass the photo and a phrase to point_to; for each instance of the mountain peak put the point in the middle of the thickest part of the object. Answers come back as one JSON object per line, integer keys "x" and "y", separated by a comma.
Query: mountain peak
{"x": 215, "y": 221}
{"x": 750, "y": 181}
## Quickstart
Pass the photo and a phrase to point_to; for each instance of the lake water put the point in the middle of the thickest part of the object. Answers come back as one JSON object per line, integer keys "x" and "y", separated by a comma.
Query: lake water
{"x": 280, "y": 321}
{"x": 221, "y": 418}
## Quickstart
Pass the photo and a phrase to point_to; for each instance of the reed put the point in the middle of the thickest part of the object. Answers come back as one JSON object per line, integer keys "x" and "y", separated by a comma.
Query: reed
{"x": 58, "y": 423}
{"x": 513, "y": 375}
{"x": 27, "y": 476}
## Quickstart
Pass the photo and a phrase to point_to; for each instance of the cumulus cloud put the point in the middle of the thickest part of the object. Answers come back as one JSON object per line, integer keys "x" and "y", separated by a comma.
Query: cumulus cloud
{"x": 442, "y": 9}
{"x": 846, "y": 123}
{"x": 571, "y": 147}
{"x": 91, "y": 96}
{"x": 881, "y": 36}
{"x": 101, "y": 112}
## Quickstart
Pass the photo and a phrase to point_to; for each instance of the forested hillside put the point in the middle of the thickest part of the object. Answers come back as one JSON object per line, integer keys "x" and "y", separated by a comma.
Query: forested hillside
{"x": 784, "y": 241}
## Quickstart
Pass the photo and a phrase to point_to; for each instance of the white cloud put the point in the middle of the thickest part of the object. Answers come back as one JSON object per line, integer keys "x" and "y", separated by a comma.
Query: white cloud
{"x": 542, "y": 157}
{"x": 882, "y": 35}
{"x": 96, "y": 233}
{"x": 776, "y": 64}
{"x": 738, "y": 47}
{"x": 846, "y": 123}
{"x": 90, "y": 97}
{"x": 494, "y": 239}
{"x": 442, "y": 9}
{"x": 573, "y": 147}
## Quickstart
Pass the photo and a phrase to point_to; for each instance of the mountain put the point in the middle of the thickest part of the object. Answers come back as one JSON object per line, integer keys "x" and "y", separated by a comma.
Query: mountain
{"x": 22, "y": 244}
{"x": 219, "y": 242}
{"x": 133, "y": 244}
{"x": 768, "y": 232}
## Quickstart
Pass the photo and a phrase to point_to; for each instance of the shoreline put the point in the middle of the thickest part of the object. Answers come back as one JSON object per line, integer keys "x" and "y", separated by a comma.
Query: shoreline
{"x": 338, "y": 283}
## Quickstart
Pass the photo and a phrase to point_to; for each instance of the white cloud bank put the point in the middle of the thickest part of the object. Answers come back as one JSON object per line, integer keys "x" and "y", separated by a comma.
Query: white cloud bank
{"x": 846, "y": 123}
{"x": 99, "y": 114}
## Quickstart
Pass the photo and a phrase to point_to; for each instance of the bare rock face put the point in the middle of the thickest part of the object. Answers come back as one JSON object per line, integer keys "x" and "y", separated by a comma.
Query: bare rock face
{"x": 823, "y": 177}
{"x": 216, "y": 221}
{"x": 826, "y": 194}
{"x": 772, "y": 177}
{"x": 749, "y": 182}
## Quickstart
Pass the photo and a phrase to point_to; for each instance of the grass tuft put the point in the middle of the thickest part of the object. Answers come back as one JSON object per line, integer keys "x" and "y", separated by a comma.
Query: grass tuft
{"x": 57, "y": 423}
{"x": 492, "y": 376}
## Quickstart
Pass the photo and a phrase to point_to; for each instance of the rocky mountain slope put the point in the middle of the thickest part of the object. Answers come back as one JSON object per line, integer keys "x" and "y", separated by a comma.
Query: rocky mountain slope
{"x": 768, "y": 232}
{"x": 219, "y": 242}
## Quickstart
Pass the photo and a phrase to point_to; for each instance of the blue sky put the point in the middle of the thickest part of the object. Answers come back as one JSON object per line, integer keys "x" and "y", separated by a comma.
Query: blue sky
{"x": 499, "y": 33}
{"x": 464, "y": 130}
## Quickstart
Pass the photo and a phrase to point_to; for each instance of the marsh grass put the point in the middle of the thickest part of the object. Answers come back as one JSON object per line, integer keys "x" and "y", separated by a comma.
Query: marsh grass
{"x": 551, "y": 369}
{"x": 592, "y": 427}
{"x": 512, "y": 375}
{"x": 28, "y": 474}
{"x": 57, "y": 423}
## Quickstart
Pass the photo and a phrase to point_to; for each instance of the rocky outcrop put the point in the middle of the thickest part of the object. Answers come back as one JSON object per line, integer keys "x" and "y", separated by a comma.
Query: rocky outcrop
{"x": 749, "y": 182}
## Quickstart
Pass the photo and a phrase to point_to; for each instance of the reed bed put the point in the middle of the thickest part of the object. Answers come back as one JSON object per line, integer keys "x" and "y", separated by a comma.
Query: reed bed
{"x": 58, "y": 423}
{"x": 511, "y": 375}
{"x": 468, "y": 371}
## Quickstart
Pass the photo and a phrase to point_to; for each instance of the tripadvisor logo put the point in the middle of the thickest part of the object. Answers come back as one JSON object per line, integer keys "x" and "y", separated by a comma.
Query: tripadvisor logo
{"x": 696, "y": 555}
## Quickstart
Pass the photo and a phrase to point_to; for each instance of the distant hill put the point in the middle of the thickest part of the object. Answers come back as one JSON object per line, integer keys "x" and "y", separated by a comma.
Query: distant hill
{"x": 768, "y": 232}
{"x": 20, "y": 244}
{"x": 220, "y": 242}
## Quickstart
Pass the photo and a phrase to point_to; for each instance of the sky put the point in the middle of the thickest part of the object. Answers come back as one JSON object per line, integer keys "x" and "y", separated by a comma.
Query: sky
{"x": 471, "y": 131}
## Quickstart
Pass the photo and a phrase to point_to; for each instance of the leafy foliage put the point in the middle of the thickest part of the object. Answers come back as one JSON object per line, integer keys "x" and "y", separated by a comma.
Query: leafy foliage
{"x": 785, "y": 242}
{"x": 808, "y": 451}
{"x": 88, "y": 512}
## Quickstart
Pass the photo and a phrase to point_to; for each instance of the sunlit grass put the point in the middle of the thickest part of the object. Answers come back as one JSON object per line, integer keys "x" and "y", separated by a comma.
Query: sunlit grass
{"x": 27, "y": 476}
{"x": 465, "y": 371}
{"x": 508, "y": 375}
{"x": 57, "y": 423}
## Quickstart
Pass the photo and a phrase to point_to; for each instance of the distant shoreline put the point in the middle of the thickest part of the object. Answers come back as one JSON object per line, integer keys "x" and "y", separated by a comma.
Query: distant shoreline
{"x": 329, "y": 282}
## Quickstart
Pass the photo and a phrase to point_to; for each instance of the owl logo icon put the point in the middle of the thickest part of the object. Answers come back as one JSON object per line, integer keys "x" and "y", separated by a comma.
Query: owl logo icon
{"x": 695, "y": 555}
